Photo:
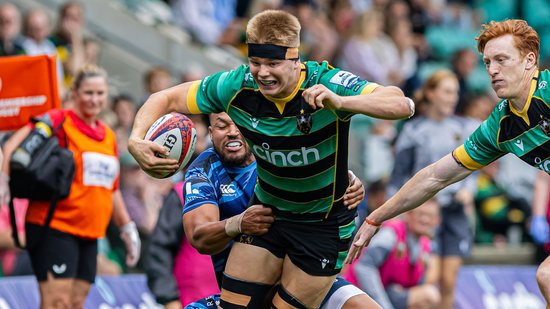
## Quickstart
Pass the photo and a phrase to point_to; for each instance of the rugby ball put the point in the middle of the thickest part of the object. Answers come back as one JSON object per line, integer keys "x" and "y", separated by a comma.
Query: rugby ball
{"x": 177, "y": 133}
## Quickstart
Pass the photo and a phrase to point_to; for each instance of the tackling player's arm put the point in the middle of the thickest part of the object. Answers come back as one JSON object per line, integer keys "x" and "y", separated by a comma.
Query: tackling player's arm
{"x": 209, "y": 235}
{"x": 421, "y": 187}
{"x": 173, "y": 99}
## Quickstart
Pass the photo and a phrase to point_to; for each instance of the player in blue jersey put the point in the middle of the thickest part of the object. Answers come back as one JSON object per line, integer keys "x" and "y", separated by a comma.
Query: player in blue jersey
{"x": 295, "y": 117}
{"x": 218, "y": 186}
{"x": 519, "y": 124}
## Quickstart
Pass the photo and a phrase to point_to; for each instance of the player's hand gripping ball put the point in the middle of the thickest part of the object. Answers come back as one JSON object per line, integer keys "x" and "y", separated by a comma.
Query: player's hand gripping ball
{"x": 177, "y": 133}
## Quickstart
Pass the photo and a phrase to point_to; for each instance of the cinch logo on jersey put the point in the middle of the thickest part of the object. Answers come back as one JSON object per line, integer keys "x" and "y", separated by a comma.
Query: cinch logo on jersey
{"x": 542, "y": 165}
{"x": 305, "y": 156}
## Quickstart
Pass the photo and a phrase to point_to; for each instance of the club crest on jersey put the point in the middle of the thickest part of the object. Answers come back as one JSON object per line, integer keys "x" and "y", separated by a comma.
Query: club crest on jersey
{"x": 304, "y": 122}
{"x": 545, "y": 125}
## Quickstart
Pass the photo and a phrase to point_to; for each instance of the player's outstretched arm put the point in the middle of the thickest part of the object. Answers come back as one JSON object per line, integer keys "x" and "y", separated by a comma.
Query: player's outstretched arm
{"x": 384, "y": 102}
{"x": 173, "y": 99}
{"x": 421, "y": 187}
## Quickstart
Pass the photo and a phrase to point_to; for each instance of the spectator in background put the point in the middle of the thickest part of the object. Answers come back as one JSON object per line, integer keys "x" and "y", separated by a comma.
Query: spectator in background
{"x": 400, "y": 31}
{"x": 397, "y": 9}
{"x": 463, "y": 63}
{"x": 10, "y": 27}
{"x": 376, "y": 194}
{"x": 421, "y": 18}
{"x": 64, "y": 259}
{"x": 417, "y": 147}
{"x": 133, "y": 183}
{"x": 192, "y": 72}
{"x": 478, "y": 107}
{"x": 456, "y": 15}
{"x": 205, "y": 20}
{"x": 374, "y": 198}
{"x": 124, "y": 109}
{"x": 320, "y": 40}
{"x": 37, "y": 28}
{"x": 156, "y": 79}
{"x": 370, "y": 53}
{"x": 502, "y": 217}
{"x": 92, "y": 50}
{"x": 392, "y": 270}
{"x": 68, "y": 39}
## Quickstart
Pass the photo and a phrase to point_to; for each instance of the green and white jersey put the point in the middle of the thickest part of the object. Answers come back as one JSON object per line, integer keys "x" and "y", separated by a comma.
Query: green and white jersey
{"x": 301, "y": 175}
{"x": 524, "y": 133}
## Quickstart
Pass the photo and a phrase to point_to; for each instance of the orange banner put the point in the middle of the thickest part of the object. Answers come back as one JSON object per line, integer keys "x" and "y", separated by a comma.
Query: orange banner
{"x": 28, "y": 87}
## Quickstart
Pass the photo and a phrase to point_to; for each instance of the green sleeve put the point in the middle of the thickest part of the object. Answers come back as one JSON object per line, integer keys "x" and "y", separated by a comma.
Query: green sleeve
{"x": 215, "y": 92}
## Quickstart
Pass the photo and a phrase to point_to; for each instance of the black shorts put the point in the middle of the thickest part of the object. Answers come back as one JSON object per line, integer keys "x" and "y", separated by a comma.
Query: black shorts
{"x": 454, "y": 235}
{"x": 61, "y": 254}
{"x": 317, "y": 248}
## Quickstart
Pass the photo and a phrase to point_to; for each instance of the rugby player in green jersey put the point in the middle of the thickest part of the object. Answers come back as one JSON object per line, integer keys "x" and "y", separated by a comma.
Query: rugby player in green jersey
{"x": 295, "y": 117}
{"x": 519, "y": 124}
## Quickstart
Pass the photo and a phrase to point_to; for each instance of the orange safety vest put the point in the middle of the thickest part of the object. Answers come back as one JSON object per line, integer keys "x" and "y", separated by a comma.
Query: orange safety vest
{"x": 87, "y": 210}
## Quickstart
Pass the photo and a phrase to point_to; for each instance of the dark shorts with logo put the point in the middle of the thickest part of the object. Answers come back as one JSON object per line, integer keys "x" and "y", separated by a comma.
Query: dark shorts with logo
{"x": 61, "y": 254}
{"x": 317, "y": 248}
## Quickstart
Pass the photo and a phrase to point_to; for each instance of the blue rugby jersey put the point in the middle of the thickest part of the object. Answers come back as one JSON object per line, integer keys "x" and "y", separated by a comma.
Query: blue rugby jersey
{"x": 208, "y": 181}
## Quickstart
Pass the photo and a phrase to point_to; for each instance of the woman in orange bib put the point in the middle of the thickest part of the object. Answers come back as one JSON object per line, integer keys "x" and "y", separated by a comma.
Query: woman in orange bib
{"x": 64, "y": 256}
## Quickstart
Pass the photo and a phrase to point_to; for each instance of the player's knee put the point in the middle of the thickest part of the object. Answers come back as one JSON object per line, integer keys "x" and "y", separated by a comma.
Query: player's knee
{"x": 243, "y": 294}
{"x": 543, "y": 275}
{"x": 57, "y": 301}
{"x": 431, "y": 296}
{"x": 283, "y": 299}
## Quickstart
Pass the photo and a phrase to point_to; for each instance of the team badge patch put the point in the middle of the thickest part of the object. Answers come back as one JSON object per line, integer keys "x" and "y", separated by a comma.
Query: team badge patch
{"x": 545, "y": 126}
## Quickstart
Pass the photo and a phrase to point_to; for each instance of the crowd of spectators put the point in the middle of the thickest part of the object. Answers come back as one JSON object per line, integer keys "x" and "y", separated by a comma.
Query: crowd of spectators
{"x": 390, "y": 42}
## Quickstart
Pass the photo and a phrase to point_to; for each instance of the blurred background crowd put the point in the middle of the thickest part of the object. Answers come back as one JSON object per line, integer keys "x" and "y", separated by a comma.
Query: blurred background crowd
{"x": 390, "y": 42}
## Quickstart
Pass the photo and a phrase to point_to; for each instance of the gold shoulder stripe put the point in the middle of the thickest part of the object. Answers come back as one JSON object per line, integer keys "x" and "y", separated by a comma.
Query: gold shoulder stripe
{"x": 235, "y": 298}
{"x": 463, "y": 158}
{"x": 192, "y": 105}
{"x": 369, "y": 88}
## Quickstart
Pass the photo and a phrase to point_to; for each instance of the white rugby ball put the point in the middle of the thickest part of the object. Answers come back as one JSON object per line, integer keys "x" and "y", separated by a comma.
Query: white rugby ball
{"x": 177, "y": 133}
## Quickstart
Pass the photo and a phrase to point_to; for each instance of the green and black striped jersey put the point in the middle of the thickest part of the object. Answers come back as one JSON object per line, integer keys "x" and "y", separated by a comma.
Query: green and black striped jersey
{"x": 525, "y": 133}
{"x": 298, "y": 173}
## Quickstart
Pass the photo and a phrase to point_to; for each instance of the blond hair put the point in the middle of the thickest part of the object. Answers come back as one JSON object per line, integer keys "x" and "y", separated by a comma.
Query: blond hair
{"x": 274, "y": 27}
{"x": 87, "y": 71}
{"x": 432, "y": 83}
